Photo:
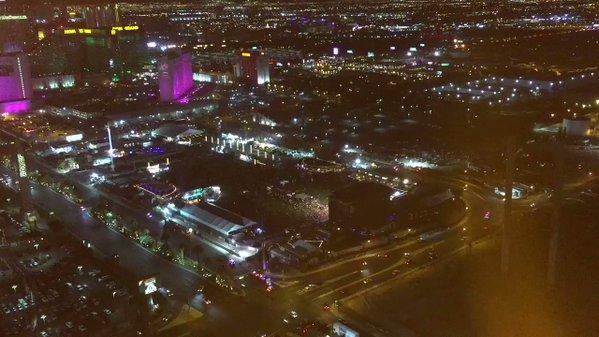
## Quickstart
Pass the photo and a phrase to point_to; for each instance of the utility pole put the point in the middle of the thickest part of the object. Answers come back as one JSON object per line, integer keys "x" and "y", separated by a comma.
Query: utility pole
{"x": 552, "y": 260}
{"x": 506, "y": 242}
{"x": 111, "y": 149}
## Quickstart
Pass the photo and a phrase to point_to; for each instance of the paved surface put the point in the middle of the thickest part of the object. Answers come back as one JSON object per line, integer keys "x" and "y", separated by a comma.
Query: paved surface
{"x": 308, "y": 294}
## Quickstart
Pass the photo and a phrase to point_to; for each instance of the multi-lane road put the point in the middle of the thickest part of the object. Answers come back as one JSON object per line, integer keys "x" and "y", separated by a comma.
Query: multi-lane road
{"x": 314, "y": 294}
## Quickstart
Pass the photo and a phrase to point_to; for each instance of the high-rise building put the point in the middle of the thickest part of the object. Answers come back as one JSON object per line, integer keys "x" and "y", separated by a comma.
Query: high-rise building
{"x": 15, "y": 32}
{"x": 252, "y": 67}
{"x": 15, "y": 83}
{"x": 175, "y": 76}
{"x": 100, "y": 15}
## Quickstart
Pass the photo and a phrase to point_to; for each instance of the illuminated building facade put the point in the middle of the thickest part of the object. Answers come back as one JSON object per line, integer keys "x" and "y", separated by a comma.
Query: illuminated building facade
{"x": 176, "y": 76}
{"x": 252, "y": 67}
{"x": 101, "y": 15}
{"x": 15, "y": 83}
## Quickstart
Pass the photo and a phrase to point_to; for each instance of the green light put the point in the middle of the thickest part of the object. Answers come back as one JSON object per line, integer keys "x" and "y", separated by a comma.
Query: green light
{"x": 12, "y": 17}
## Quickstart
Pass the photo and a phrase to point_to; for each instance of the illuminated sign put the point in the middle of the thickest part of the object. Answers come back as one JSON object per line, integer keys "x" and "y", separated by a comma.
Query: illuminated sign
{"x": 74, "y": 138}
{"x": 335, "y": 51}
{"x": 246, "y": 54}
{"x": 153, "y": 169}
{"x": 121, "y": 28}
{"x": 22, "y": 166}
{"x": 70, "y": 31}
{"x": 41, "y": 35}
{"x": 102, "y": 161}
{"x": 12, "y": 17}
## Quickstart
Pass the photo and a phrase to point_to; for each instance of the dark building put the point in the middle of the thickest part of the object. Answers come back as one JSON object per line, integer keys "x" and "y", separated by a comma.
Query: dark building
{"x": 252, "y": 67}
{"x": 424, "y": 196}
{"x": 363, "y": 205}
{"x": 115, "y": 50}
{"x": 428, "y": 204}
{"x": 96, "y": 16}
{"x": 16, "y": 33}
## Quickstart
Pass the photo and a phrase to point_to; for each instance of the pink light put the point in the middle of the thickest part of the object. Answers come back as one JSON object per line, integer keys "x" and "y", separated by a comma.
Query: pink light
{"x": 176, "y": 77}
{"x": 15, "y": 108}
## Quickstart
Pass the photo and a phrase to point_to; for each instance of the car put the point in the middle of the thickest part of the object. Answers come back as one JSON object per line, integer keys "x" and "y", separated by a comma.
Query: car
{"x": 293, "y": 314}
{"x": 69, "y": 324}
{"x": 326, "y": 307}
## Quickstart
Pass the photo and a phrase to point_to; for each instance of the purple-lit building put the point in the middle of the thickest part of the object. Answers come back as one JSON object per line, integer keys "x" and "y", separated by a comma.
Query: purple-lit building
{"x": 176, "y": 76}
{"x": 15, "y": 83}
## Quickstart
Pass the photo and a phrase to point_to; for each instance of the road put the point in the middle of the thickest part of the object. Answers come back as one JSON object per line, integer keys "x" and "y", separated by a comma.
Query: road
{"x": 263, "y": 312}
{"x": 267, "y": 310}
